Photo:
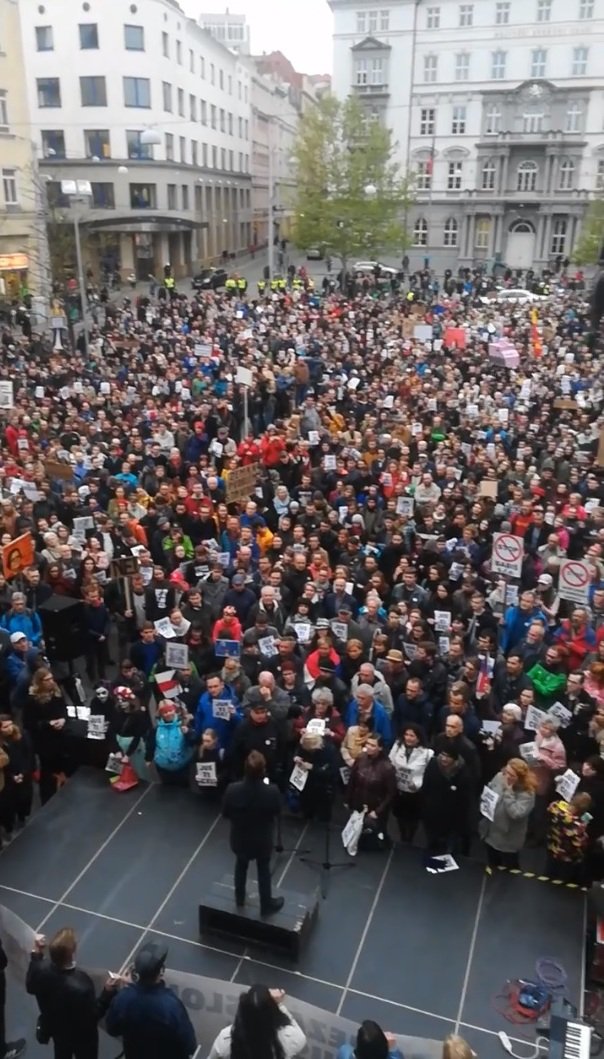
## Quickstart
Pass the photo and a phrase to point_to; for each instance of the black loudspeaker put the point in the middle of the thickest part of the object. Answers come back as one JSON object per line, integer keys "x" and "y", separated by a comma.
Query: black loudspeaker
{"x": 63, "y": 624}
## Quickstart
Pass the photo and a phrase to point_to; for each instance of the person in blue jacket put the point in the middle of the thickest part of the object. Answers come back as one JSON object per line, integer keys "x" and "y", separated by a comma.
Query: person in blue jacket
{"x": 20, "y": 619}
{"x": 364, "y": 706}
{"x": 151, "y": 1020}
{"x": 517, "y": 620}
{"x": 171, "y": 745}
{"x": 212, "y": 703}
{"x": 371, "y": 1043}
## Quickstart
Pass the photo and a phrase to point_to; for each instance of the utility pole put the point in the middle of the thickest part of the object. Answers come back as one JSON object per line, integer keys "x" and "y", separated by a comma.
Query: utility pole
{"x": 271, "y": 201}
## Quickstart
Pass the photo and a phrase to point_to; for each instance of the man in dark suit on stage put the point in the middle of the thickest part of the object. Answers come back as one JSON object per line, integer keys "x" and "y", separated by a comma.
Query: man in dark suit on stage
{"x": 252, "y": 805}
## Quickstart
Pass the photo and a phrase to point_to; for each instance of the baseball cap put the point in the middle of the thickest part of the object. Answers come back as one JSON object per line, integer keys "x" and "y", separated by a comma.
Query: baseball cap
{"x": 239, "y": 579}
{"x": 544, "y": 579}
{"x": 16, "y": 636}
{"x": 149, "y": 961}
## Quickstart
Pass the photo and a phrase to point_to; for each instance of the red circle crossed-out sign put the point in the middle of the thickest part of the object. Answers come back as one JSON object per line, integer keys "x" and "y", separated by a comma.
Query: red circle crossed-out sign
{"x": 507, "y": 548}
{"x": 575, "y": 575}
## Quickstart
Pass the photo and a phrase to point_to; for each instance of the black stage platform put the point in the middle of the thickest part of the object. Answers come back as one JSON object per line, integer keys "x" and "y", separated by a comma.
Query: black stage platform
{"x": 425, "y": 955}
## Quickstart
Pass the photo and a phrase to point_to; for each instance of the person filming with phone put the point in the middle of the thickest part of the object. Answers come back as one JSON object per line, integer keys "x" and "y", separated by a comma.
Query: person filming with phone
{"x": 69, "y": 1007}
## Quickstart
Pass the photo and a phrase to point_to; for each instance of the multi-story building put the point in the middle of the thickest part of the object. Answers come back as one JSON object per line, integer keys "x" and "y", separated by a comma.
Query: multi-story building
{"x": 144, "y": 104}
{"x": 496, "y": 108}
{"x": 230, "y": 29}
{"x": 24, "y": 263}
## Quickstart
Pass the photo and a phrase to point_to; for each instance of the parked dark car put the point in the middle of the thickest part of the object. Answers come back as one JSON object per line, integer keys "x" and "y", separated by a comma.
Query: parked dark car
{"x": 210, "y": 279}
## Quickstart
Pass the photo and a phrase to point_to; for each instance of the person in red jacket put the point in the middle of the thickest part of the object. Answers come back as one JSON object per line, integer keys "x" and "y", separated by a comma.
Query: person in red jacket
{"x": 271, "y": 447}
{"x": 228, "y": 627}
{"x": 576, "y": 639}
{"x": 248, "y": 451}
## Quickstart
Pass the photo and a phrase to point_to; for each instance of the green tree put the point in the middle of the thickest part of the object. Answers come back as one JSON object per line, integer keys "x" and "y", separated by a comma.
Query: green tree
{"x": 338, "y": 155}
{"x": 588, "y": 248}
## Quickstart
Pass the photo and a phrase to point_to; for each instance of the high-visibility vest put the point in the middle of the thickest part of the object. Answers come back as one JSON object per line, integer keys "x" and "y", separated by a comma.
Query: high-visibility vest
{"x": 242, "y": 284}
{"x": 261, "y": 286}
{"x": 231, "y": 284}
{"x": 169, "y": 283}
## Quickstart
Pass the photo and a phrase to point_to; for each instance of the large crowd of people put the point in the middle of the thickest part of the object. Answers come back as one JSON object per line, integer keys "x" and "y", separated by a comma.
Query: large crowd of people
{"x": 297, "y": 558}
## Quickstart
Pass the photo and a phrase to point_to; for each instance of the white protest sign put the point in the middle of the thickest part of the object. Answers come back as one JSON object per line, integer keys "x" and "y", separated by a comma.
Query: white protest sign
{"x": 533, "y": 718}
{"x": 574, "y": 582}
{"x": 221, "y": 709}
{"x": 442, "y": 620}
{"x": 490, "y": 727}
{"x": 303, "y": 631}
{"x": 566, "y": 784}
{"x": 488, "y": 803}
{"x": 205, "y": 774}
{"x": 177, "y": 655}
{"x": 268, "y": 646}
{"x": 298, "y": 778}
{"x": 96, "y": 726}
{"x": 6, "y": 393}
{"x": 561, "y": 714}
{"x": 329, "y": 463}
{"x": 508, "y": 551}
{"x": 244, "y": 377}
{"x": 339, "y": 629}
{"x": 317, "y": 726}
{"x": 528, "y": 752}
{"x": 80, "y": 525}
{"x": 164, "y": 628}
{"x": 423, "y": 332}
{"x": 404, "y": 506}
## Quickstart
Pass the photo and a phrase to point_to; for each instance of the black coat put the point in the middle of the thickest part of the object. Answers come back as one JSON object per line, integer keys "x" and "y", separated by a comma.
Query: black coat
{"x": 252, "y": 806}
{"x": 266, "y": 738}
{"x": 445, "y": 799}
{"x": 66, "y": 998}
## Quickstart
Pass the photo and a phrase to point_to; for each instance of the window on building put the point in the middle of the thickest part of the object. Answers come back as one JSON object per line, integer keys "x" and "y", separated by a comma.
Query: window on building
{"x": 423, "y": 175}
{"x": 194, "y": 153}
{"x": 214, "y": 157}
{"x": 566, "y": 174}
{"x": 430, "y": 68}
{"x": 212, "y": 74}
{"x": 466, "y": 15}
{"x": 231, "y": 160}
{"x": 44, "y": 38}
{"x": 498, "y": 64}
{"x": 454, "y": 175}
{"x": 53, "y": 143}
{"x": 185, "y": 196}
{"x": 361, "y": 72}
{"x": 600, "y": 174}
{"x": 532, "y": 122}
{"x": 48, "y": 90}
{"x": 544, "y": 10}
{"x": 579, "y": 66}
{"x": 559, "y": 229}
{"x": 427, "y": 121}
{"x": 181, "y": 102}
{"x": 169, "y": 147}
{"x": 488, "y": 175}
{"x": 204, "y": 155}
{"x": 221, "y": 79}
{"x": 212, "y": 115}
{"x": 502, "y": 12}
{"x": 222, "y": 120}
{"x": 55, "y": 197}
{"x": 137, "y": 92}
{"x": 223, "y": 159}
{"x": 586, "y": 9}
{"x": 384, "y": 21}
{"x": 202, "y": 67}
{"x": 462, "y": 66}
{"x": 203, "y": 111}
{"x": 420, "y": 232}
{"x": 372, "y": 21}
{"x": 3, "y": 109}
{"x": 103, "y": 196}
{"x": 179, "y": 52}
{"x": 574, "y": 117}
{"x": 97, "y": 143}
{"x": 377, "y": 72}
{"x": 165, "y": 45}
{"x": 134, "y": 38}
{"x": 482, "y": 232}
{"x": 136, "y": 149}
{"x": 193, "y": 108}
{"x": 182, "y": 149}
{"x": 450, "y": 230}
{"x": 527, "y": 176}
{"x": 433, "y": 18}
{"x": 143, "y": 197}
{"x": 167, "y": 96}
{"x": 458, "y": 120}
{"x": 191, "y": 61}
{"x": 9, "y": 187}
{"x": 172, "y": 197}
{"x": 493, "y": 121}
{"x": 93, "y": 91}
{"x": 538, "y": 61}
{"x": 361, "y": 21}
{"x": 230, "y": 116}
{"x": 89, "y": 36}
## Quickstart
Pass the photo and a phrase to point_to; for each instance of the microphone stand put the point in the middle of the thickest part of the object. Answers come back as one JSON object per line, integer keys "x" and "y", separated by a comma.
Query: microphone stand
{"x": 327, "y": 865}
{"x": 280, "y": 848}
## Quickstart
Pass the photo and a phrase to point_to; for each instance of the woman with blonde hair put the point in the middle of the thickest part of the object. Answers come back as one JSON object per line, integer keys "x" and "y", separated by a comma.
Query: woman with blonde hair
{"x": 505, "y": 834}
{"x": 455, "y": 1047}
{"x": 316, "y": 757}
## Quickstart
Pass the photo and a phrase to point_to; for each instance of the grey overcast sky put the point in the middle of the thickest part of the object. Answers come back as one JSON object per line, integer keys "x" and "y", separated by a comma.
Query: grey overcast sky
{"x": 301, "y": 29}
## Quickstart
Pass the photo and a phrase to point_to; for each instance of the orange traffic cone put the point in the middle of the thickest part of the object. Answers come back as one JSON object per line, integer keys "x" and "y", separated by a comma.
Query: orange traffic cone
{"x": 127, "y": 779}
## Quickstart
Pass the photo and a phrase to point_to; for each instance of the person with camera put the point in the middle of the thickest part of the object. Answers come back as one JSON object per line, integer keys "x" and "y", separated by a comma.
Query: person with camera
{"x": 151, "y": 1020}
{"x": 69, "y": 1007}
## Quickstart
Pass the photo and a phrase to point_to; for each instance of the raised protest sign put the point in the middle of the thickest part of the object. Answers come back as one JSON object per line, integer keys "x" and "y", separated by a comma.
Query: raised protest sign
{"x": 241, "y": 483}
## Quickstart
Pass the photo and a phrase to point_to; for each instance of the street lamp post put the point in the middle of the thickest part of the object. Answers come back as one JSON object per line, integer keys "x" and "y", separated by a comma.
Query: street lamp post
{"x": 79, "y": 191}
{"x": 271, "y": 196}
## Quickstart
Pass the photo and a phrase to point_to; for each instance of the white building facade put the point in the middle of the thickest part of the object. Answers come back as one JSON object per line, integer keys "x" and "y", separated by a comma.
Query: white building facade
{"x": 103, "y": 79}
{"x": 275, "y": 119}
{"x": 497, "y": 110}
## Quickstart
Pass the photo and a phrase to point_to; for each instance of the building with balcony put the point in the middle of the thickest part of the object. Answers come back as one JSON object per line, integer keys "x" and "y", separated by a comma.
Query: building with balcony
{"x": 147, "y": 106}
{"x": 230, "y": 29}
{"x": 496, "y": 109}
{"x": 24, "y": 262}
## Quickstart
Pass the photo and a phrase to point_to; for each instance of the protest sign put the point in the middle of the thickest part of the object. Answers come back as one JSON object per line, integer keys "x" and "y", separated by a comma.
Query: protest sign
{"x": 488, "y": 803}
{"x": 222, "y": 709}
{"x": 205, "y": 774}
{"x": 177, "y": 655}
{"x": 241, "y": 482}
{"x": 17, "y": 555}
{"x": 533, "y": 718}
{"x": 566, "y": 784}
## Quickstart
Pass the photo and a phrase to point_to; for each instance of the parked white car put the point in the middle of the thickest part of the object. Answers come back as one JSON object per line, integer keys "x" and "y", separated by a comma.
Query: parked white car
{"x": 369, "y": 266}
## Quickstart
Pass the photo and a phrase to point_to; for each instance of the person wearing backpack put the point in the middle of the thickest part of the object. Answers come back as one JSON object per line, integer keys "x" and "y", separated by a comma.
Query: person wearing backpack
{"x": 171, "y": 745}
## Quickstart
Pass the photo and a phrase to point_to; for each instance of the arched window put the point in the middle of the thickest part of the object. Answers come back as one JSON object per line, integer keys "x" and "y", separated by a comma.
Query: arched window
{"x": 567, "y": 174}
{"x": 527, "y": 176}
{"x": 420, "y": 232}
{"x": 489, "y": 171}
{"x": 450, "y": 232}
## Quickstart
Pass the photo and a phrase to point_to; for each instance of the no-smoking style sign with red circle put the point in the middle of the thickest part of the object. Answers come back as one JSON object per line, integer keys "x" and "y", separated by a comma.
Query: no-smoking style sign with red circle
{"x": 508, "y": 552}
{"x": 575, "y": 579}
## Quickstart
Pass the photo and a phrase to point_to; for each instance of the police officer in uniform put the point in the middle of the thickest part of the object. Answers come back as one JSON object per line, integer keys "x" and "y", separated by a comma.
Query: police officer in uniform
{"x": 242, "y": 284}
{"x": 231, "y": 286}
{"x": 261, "y": 287}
